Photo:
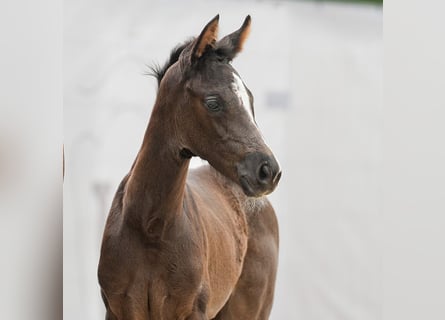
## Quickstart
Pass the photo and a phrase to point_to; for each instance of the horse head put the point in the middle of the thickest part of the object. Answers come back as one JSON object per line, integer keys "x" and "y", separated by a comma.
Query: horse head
{"x": 214, "y": 114}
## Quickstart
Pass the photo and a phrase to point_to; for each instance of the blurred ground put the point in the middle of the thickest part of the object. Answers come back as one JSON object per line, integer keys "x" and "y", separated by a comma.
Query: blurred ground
{"x": 315, "y": 70}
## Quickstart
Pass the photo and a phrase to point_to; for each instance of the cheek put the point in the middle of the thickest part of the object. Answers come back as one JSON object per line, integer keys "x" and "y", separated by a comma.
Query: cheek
{"x": 221, "y": 129}
{"x": 198, "y": 129}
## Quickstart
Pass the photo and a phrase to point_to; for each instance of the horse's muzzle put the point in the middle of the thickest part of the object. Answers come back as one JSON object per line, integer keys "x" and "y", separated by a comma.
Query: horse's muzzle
{"x": 258, "y": 174}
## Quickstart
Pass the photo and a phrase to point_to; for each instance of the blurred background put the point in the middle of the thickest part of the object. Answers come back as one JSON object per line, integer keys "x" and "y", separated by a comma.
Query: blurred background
{"x": 315, "y": 69}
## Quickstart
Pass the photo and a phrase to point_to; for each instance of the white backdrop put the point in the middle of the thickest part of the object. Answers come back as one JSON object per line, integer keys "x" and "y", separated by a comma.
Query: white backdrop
{"x": 315, "y": 70}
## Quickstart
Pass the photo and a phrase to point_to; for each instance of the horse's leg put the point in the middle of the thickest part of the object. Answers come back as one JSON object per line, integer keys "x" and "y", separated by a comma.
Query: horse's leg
{"x": 253, "y": 296}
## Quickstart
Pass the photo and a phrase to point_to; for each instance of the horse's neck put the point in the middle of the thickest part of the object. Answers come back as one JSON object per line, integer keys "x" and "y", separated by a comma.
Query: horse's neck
{"x": 155, "y": 189}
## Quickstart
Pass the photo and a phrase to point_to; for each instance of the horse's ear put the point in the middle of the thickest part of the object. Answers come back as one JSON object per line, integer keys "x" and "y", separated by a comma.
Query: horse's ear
{"x": 233, "y": 43}
{"x": 206, "y": 39}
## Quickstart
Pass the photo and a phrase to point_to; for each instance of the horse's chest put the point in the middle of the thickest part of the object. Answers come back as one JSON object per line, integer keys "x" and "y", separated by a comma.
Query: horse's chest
{"x": 204, "y": 285}
{"x": 201, "y": 263}
{"x": 194, "y": 269}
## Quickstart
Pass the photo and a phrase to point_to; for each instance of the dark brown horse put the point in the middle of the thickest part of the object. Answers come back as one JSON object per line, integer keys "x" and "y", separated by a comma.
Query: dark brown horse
{"x": 201, "y": 244}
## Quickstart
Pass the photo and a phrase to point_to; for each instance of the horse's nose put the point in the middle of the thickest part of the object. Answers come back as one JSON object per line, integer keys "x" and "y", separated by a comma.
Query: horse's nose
{"x": 258, "y": 174}
{"x": 268, "y": 173}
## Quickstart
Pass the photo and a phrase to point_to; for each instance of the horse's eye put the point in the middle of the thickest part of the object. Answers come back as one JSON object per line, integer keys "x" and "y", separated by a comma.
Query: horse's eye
{"x": 212, "y": 103}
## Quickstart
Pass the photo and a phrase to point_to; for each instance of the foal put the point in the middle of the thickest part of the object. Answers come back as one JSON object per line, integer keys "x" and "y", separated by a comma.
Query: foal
{"x": 202, "y": 244}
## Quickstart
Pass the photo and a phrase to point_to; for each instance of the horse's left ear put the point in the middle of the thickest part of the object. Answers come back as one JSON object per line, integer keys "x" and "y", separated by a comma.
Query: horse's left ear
{"x": 233, "y": 43}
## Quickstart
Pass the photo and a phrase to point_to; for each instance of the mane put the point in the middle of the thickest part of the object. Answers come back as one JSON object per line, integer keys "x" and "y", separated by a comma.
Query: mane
{"x": 159, "y": 71}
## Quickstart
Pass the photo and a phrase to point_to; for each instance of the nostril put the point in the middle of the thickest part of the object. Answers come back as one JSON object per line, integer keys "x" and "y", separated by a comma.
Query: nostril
{"x": 264, "y": 172}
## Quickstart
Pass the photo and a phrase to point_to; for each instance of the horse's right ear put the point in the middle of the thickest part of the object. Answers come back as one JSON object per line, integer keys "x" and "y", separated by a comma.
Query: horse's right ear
{"x": 232, "y": 44}
{"x": 206, "y": 39}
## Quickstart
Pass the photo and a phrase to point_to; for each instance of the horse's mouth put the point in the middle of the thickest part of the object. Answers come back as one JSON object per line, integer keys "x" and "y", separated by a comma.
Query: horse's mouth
{"x": 251, "y": 190}
{"x": 246, "y": 186}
